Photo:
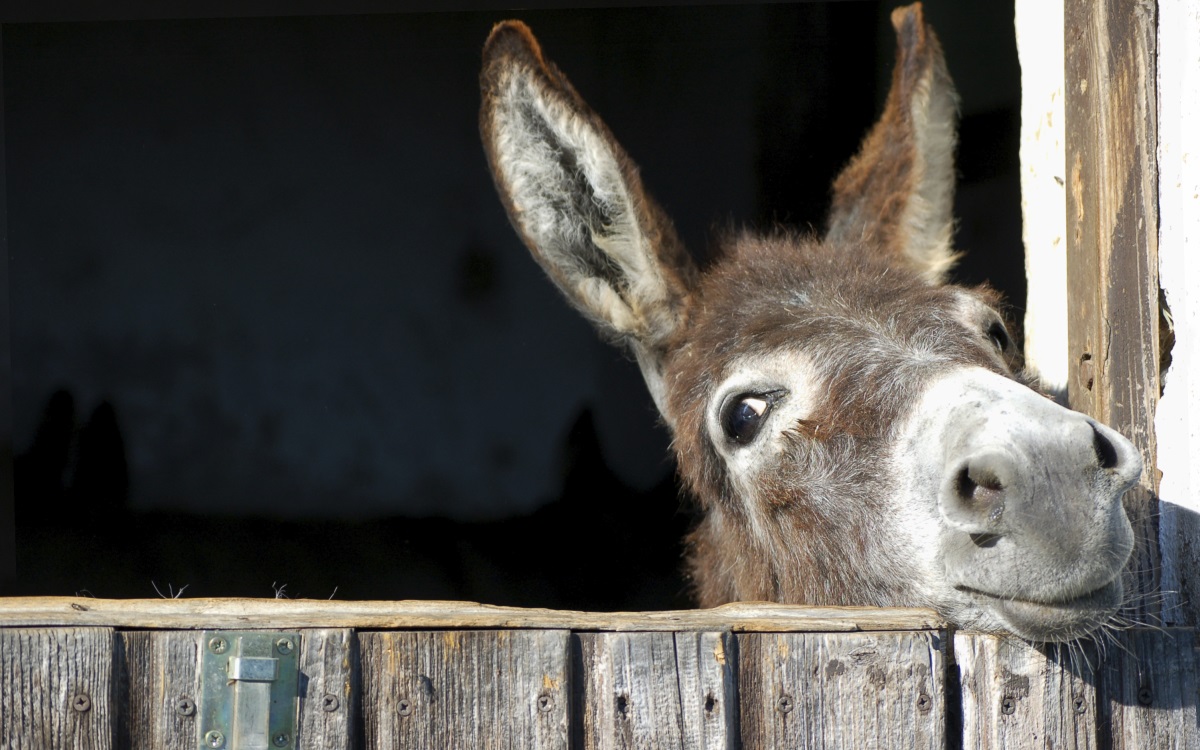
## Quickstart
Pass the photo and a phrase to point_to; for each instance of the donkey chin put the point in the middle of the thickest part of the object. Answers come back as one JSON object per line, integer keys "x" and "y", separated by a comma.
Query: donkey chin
{"x": 1031, "y": 535}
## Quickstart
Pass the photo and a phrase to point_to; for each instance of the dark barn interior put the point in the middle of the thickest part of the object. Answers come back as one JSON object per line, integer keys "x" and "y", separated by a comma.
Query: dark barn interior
{"x": 271, "y": 332}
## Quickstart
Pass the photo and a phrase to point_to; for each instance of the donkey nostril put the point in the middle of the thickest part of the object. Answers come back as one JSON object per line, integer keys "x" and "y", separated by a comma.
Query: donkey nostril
{"x": 981, "y": 495}
{"x": 1106, "y": 452}
{"x": 978, "y": 484}
{"x": 965, "y": 485}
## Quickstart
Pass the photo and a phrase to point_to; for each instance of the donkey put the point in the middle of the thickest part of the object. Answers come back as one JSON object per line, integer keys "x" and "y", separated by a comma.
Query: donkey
{"x": 855, "y": 430}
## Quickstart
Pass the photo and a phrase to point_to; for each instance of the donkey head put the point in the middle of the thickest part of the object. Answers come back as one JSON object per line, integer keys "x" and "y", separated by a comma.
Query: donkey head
{"x": 855, "y": 430}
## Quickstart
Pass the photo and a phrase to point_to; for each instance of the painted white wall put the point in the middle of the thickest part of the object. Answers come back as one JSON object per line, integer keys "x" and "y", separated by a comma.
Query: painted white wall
{"x": 1177, "y": 422}
{"x": 1039, "y": 25}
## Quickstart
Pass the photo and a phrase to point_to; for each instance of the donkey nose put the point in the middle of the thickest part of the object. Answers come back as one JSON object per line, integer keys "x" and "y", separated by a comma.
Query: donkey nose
{"x": 978, "y": 494}
{"x": 1115, "y": 454}
{"x": 1036, "y": 485}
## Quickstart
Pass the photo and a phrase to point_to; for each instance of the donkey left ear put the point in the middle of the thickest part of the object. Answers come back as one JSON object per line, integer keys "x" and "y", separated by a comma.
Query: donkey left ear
{"x": 899, "y": 190}
{"x": 577, "y": 201}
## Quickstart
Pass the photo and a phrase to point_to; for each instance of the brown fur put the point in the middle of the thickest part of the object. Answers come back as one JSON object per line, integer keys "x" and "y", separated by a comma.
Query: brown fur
{"x": 871, "y": 195}
{"x": 854, "y": 304}
{"x": 863, "y": 304}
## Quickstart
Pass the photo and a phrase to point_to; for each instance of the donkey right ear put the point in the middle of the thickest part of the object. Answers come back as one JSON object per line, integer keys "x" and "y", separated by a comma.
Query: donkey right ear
{"x": 577, "y": 201}
{"x": 899, "y": 189}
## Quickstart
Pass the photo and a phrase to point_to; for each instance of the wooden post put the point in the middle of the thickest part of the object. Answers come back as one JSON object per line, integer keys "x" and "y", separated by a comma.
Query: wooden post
{"x": 1112, "y": 243}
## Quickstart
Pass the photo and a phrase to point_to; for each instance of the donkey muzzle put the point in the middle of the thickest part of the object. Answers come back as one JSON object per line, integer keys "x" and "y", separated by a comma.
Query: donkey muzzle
{"x": 1029, "y": 502}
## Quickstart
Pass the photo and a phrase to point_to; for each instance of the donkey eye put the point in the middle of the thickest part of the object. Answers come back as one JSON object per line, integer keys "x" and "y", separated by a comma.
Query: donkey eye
{"x": 999, "y": 336}
{"x": 743, "y": 416}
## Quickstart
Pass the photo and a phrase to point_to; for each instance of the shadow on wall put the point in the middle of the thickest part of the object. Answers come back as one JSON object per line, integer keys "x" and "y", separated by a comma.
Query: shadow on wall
{"x": 73, "y": 473}
{"x": 601, "y": 545}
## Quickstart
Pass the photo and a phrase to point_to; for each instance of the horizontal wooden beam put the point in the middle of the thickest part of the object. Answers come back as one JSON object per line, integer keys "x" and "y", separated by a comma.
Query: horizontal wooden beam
{"x": 195, "y": 614}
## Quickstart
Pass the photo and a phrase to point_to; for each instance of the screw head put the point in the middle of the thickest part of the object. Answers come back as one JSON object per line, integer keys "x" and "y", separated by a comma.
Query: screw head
{"x": 404, "y": 706}
{"x": 281, "y": 739}
{"x": 284, "y": 646}
{"x": 545, "y": 703}
{"x": 1080, "y": 705}
{"x": 330, "y": 703}
{"x": 785, "y": 704}
{"x": 185, "y": 706}
{"x": 214, "y": 739}
{"x": 1008, "y": 705}
{"x": 218, "y": 646}
{"x": 1145, "y": 696}
{"x": 81, "y": 703}
{"x": 923, "y": 702}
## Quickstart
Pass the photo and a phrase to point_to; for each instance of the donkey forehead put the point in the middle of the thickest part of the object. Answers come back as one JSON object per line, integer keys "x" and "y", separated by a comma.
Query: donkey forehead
{"x": 838, "y": 310}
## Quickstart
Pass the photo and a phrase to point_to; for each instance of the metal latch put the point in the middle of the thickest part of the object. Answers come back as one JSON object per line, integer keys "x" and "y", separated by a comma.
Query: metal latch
{"x": 249, "y": 692}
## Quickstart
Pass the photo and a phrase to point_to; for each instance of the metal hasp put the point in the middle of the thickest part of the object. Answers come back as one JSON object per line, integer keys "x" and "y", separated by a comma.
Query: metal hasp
{"x": 249, "y": 690}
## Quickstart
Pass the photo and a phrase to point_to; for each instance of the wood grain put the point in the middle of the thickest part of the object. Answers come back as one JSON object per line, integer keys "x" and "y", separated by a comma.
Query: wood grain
{"x": 1016, "y": 695}
{"x": 660, "y": 690}
{"x": 159, "y": 689}
{"x": 56, "y": 689}
{"x": 1112, "y": 241}
{"x": 370, "y": 615}
{"x": 329, "y": 688}
{"x": 1149, "y": 689}
{"x": 466, "y": 689}
{"x": 811, "y": 690}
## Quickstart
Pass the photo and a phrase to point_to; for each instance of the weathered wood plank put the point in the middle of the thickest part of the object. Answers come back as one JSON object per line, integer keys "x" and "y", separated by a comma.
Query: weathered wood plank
{"x": 1149, "y": 690}
{"x": 158, "y": 689}
{"x": 661, "y": 690}
{"x": 189, "y": 614}
{"x": 328, "y": 688}
{"x": 1112, "y": 241}
{"x": 810, "y": 690}
{"x": 56, "y": 689}
{"x": 466, "y": 689}
{"x": 1015, "y": 695}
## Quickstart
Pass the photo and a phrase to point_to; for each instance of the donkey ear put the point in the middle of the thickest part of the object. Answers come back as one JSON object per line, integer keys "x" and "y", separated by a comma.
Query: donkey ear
{"x": 899, "y": 190}
{"x": 577, "y": 201}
